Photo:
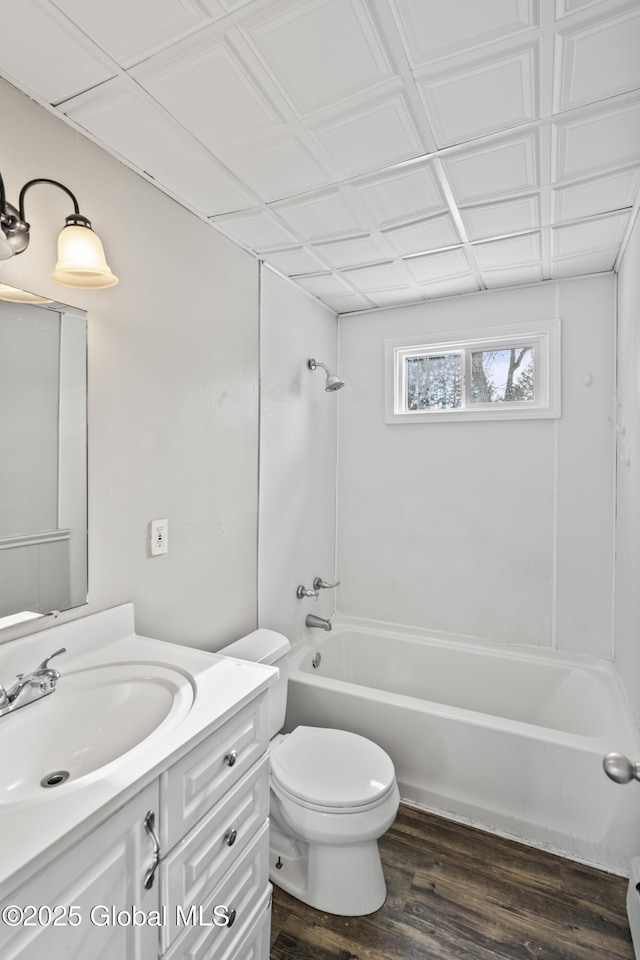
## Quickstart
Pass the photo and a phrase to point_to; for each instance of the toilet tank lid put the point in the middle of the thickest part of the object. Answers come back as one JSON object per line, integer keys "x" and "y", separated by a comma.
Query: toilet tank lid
{"x": 261, "y": 646}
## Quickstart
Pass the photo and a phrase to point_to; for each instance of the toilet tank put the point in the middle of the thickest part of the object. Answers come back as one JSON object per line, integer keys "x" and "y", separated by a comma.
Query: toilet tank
{"x": 266, "y": 646}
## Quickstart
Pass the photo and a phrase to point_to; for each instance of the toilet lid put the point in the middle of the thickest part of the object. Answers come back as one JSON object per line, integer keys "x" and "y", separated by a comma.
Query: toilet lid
{"x": 332, "y": 768}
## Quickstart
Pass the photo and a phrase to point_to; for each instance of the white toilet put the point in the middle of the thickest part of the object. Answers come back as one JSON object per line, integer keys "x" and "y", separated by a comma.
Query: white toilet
{"x": 333, "y": 794}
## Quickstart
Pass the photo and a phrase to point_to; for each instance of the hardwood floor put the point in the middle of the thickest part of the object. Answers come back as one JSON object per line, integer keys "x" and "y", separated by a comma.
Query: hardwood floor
{"x": 455, "y": 893}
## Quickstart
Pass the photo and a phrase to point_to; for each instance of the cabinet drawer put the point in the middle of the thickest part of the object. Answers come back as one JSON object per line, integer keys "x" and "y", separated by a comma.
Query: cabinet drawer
{"x": 254, "y": 944}
{"x": 246, "y": 885}
{"x": 196, "y": 782}
{"x": 198, "y": 863}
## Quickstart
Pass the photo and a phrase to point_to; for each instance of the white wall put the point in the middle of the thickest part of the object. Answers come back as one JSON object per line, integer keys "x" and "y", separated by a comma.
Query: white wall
{"x": 298, "y": 440}
{"x": 499, "y": 530}
{"x": 627, "y": 609}
{"x": 173, "y": 385}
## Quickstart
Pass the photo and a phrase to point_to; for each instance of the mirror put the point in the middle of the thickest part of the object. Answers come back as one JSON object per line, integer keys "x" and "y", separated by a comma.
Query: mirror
{"x": 43, "y": 456}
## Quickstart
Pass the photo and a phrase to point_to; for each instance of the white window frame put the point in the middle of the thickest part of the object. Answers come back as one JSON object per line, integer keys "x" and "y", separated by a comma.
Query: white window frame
{"x": 542, "y": 335}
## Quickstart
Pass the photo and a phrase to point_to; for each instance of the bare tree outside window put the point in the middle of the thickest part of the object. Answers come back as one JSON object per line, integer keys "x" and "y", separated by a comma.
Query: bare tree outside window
{"x": 434, "y": 382}
{"x": 502, "y": 376}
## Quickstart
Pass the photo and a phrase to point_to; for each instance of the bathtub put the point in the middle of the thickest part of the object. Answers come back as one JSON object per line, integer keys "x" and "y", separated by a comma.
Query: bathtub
{"x": 507, "y": 739}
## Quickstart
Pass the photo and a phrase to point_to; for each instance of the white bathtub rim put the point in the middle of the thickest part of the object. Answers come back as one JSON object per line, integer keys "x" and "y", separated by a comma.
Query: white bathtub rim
{"x": 544, "y": 652}
{"x": 625, "y": 739}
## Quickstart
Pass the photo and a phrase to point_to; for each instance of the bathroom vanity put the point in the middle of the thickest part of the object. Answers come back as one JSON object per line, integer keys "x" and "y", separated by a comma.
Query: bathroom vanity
{"x": 152, "y": 847}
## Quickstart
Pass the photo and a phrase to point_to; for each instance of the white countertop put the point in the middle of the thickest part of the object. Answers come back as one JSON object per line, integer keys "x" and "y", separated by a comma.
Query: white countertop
{"x": 34, "y": 831}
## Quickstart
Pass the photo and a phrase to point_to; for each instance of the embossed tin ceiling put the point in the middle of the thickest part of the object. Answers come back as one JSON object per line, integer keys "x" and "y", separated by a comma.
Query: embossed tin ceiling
{"x": 377, "y": 151}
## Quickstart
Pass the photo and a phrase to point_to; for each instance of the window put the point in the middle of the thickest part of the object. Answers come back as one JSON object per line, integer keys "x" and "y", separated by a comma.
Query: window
{"x": 509, "y": 372}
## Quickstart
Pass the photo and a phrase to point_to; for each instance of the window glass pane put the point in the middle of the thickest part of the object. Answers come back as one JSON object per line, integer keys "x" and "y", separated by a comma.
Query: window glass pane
{"x": 502, "y": 376}
{"x": 434, "y": 382}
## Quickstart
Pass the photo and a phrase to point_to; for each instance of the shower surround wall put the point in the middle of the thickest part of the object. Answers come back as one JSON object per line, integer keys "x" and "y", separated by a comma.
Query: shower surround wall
{"x": 498, "y": 530}
{"x": 627, "y": 620}
{"x": 298, "y": 440}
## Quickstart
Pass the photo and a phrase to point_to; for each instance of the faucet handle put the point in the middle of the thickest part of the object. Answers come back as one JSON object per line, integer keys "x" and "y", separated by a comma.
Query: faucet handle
{"x": 303, "y": 592}
{"x": 45, "y": 662}
{"x": 320, "y": 584}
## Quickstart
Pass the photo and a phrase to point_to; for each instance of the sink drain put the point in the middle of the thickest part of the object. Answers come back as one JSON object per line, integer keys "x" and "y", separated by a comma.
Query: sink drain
{"x": 55, "y": 779}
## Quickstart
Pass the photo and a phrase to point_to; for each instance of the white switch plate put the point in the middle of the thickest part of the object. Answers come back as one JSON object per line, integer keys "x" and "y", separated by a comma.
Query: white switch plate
{"x": 159, "y": 537}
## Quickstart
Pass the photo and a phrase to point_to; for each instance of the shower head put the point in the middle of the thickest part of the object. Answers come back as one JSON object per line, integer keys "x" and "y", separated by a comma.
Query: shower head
{"x": 333, "y": 382}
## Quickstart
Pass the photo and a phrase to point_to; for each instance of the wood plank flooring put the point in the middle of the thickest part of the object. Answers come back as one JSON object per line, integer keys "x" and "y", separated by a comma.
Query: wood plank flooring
{"x": 455, "y": 893}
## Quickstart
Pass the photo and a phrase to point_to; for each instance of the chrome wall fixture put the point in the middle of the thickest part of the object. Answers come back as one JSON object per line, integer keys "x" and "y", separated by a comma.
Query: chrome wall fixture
{"x": 81, "y": 259}
{"x": 333, "y": 382}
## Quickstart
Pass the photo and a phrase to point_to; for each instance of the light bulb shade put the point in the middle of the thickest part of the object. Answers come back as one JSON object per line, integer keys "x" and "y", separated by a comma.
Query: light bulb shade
{"x": 81, "y": 259}
{"x": 15, "y": 295}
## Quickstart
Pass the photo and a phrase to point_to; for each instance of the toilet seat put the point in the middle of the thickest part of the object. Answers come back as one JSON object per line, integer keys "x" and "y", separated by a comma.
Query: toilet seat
{"x": 332, "y": 770}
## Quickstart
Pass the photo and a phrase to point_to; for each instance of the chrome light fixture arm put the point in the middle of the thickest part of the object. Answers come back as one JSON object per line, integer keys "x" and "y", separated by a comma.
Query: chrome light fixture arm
{"x": 81, "y": 260}
{"x": 14, "y": 223}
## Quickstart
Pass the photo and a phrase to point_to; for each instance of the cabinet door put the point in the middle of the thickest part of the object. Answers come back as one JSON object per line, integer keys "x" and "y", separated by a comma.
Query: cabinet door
{"x": 83, "y": 904}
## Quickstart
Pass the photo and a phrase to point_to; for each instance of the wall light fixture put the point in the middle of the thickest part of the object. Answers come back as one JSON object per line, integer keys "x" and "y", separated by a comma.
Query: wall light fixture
{"x": 81, "y": 259}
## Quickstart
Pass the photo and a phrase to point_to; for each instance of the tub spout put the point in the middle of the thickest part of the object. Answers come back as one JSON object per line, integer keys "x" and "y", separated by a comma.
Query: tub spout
{"x": 313, "y": 621}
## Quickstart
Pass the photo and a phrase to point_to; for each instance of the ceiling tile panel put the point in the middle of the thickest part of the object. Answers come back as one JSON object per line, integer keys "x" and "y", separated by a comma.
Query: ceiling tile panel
{"x": 42, "y": 57}
{"x": 130, "y": 31}
{"x": 495, "y": 170}
{"x": 425, "y": 235}
{"x": 591, "y": 197}
{"x": 203, "y": 184}
{"x": 452, "y": 287}
{"x": 325, "y": 216}
{"x": 401, "y": 195}
{"x": 433, "y": 30}
{"x": 118, "y": 114}
{"x": 354, "y": 252}
{"x": 395, "y": 296}
{"x": 510, "y": 276}
{"x": 599, "y": 60}
{"x": 587, "y": 263}
{"x": 349, "y": 303}
{"x": 204, "y": 86}
{"x": 324, "y": 284}
{"x": 598, "y": 142}
{"x": 483, "y": 98}
{"x": 438, "y": 266}
{"x": 496, "y": 219}
{"x": 384, "y": 276}
{"x": 566, "y": 7}
{"x": 320, "y": 51}
{"x": 296, "y": 260}
{"x": 371, "y": 137}
{"x": 276, "y": 170}
{"x": 256, "y": 229}
{"x": 515, "y": 251}
{"x": 584, "y": 237}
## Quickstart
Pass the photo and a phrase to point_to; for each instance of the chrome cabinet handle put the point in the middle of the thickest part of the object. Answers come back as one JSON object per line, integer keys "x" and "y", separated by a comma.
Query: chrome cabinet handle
{"x": 149, "y": 825}
{"x": 230, "y": 837}
{"x": 231, "y": 758}
{"x": 230, "y": 915}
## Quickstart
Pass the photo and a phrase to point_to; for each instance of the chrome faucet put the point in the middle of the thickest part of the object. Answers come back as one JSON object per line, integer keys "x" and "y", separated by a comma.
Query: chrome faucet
{"x": 313, "y": 621}
{"x": 30, "y": 686}
{"x": 320, "y": 584}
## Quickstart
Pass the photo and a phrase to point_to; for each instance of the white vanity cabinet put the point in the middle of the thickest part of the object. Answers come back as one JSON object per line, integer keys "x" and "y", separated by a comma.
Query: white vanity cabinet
{"x": 214, "y": 809}
{"x": 210, "y": 897}
{"x": 68, "y": 908}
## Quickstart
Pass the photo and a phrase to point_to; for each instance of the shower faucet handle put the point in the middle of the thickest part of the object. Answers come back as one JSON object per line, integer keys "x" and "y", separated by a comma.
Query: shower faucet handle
{"x": 302, "y": 592}
{"x": 320, "y": 584}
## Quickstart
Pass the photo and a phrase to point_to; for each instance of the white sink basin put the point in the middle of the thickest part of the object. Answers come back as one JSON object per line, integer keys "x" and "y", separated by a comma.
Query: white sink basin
{"x": 93, "y": 718}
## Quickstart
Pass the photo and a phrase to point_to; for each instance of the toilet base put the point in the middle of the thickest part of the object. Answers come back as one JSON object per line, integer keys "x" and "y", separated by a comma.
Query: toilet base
{"x": 345, "y": 879}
